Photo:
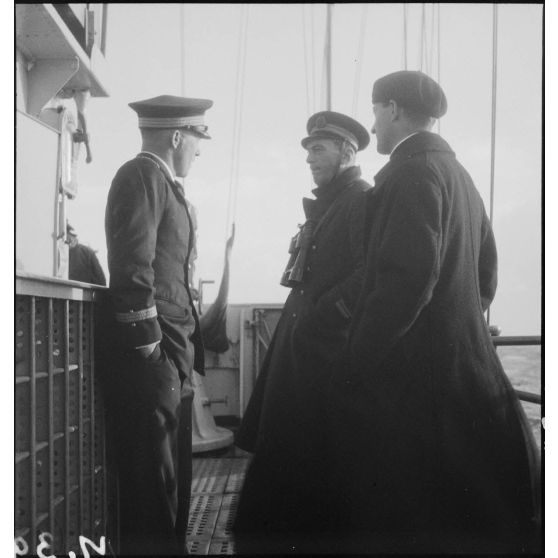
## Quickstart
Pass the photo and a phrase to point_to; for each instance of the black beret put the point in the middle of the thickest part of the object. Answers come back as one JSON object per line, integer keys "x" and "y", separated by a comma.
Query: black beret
{"x": 334, "y": 125}
{"x": 168, "y": 111}
{"x": 413, "y": 90}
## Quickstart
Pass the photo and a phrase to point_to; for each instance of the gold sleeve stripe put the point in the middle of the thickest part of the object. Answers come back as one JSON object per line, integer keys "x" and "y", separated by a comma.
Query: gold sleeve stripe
{"x": 342, "y": 307}
{"x": 131, "y": 316}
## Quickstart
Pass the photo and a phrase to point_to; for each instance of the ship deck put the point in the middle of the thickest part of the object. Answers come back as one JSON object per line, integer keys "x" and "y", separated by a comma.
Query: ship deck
{"x": 217, "y": 477}
{"x": 216, "y": 484}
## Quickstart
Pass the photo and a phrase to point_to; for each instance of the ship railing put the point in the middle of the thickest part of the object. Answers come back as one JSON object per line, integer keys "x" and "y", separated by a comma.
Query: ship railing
{"x": 263, "y": 333}
{"x": 518, "y": 341}
{"x": 61, "y": 478}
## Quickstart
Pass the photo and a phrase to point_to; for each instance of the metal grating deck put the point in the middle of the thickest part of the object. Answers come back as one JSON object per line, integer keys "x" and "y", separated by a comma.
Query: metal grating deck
{"x": 216, "y": 483}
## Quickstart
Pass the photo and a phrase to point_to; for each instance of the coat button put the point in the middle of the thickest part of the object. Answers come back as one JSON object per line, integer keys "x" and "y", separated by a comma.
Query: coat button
{"x": 313, "y": 246}
{"x": 133, "y": 324}
{"x": 301, "y": 291}
{"x": 294, "y": 315}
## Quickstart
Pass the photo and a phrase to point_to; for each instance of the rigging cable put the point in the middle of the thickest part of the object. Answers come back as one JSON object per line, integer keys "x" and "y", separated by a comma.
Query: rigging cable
{"x": 430, "y": 64}
{"x": 237, "y": 120}
{"x": 405, "y": 33}
{"x": 360, "y": 54}
{"x": 327, "y": 56}
{"x": 421, "y": 39}
{"x": 182, "y": 53}
{"x": 313, "y": 56}
{"x": 306, "y": 75}
{"x": 493, "y": 123}
{"x": 438, "y": 53}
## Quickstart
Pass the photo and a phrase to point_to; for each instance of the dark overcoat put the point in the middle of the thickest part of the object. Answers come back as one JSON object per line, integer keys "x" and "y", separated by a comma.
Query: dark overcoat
{"x": 429, "y": 438}
{"x": 282, "y": 423}
{"x": 84, "y": 266}
{"x": 149, "y": 240}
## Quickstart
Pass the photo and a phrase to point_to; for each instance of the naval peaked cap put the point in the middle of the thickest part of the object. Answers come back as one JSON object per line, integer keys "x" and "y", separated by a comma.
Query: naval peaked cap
{"x": 334, "y": 125}
{"x": 168, "y": 111}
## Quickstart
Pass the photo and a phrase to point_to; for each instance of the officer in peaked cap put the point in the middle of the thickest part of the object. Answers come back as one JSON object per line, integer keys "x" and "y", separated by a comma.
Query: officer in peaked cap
{"x": 419, "y": 331}
{"x": 334, "y": 125}
{"x": 324, "y": 273}
{"x": 153, "y": 336}
{"x": 342, "y": 131}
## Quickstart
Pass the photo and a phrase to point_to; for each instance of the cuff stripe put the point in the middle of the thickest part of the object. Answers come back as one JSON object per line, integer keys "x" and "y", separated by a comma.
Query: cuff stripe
{"x": 342, "y": 307}
{"x": 129, "y": 317}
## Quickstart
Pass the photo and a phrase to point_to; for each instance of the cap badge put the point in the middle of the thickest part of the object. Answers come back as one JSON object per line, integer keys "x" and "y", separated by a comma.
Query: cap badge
{"x": 321, "y": 122}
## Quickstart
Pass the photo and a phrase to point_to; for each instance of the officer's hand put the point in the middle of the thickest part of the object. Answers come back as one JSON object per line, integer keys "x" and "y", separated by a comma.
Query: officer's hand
{"x": 147, "y": 350}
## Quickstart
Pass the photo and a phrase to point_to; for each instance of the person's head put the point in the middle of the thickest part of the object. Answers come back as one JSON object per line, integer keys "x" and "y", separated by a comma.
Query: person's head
{"x": 327, "y": 158}
{"x": 403, "y": 103}
{"x": 177, "y": 147}
{"x": 71, "y": 236}
{"x": 332, "y": 143}
{"x": 171, "y": 127}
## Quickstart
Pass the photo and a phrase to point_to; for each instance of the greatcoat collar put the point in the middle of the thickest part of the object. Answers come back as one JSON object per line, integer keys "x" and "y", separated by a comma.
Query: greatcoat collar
{"x": 413, "y": 145}
{"x": 314, "y": 209}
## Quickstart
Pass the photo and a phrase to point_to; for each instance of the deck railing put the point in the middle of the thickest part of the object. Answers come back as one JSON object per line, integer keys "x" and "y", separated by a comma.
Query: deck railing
{"x": 63, "y": 488}
{"x": 517, "y": 341}
{"x": 60, "y": 460}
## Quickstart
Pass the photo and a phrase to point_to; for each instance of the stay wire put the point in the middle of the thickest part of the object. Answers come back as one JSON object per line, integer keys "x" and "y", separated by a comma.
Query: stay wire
{"x": 422, "y": 35}
{"x": 233, "y": 185}
{"x": 439, "y": 56}
{"x": 360, "y": 54}
{"x": 182, "y": 52}
{"x": 313, "y": 56}
{"x": 327, "y": 56}
{"x": 235, "y": 117}
{"x": 494, "y": 105}
{"x": 493, "y": 119}
{"x": 405, "y": 34}
{"x": 306, "y": 54}
{"x": 430, "y": 65}
{"x": 241, "y": 112}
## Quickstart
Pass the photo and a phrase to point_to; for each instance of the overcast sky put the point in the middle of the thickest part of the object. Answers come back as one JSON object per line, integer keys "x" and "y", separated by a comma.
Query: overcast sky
{"x": 282, "y": 87}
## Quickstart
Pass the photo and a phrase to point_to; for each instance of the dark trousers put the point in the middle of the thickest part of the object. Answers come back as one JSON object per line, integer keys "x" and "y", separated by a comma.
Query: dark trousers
{"x": 151, "y": 418}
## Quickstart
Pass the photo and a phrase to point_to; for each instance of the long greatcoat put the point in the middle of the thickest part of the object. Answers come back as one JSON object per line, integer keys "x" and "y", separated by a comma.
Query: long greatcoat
{"x": 431, "y": 449}
{"x": 284, "y": 419}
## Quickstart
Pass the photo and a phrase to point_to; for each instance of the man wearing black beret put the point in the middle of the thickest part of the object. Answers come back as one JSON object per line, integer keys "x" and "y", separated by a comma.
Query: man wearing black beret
{"x": 431, "y": 450}
{"x": 281, "y": 507}
{"x": 154, "y": 333}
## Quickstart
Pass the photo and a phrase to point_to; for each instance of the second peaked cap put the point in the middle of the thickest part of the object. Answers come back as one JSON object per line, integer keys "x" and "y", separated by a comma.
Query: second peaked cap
{"x": 335, "y": 125}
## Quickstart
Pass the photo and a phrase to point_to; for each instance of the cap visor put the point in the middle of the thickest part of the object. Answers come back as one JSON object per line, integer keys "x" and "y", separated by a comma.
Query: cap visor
{"x": 202, "y": 135}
